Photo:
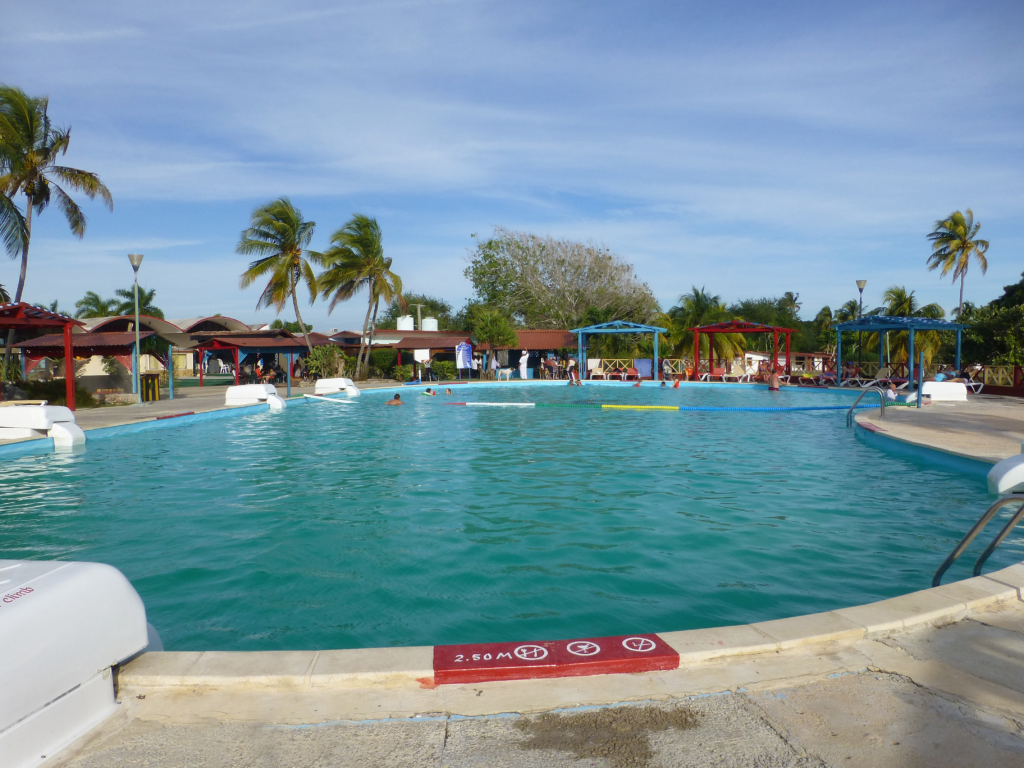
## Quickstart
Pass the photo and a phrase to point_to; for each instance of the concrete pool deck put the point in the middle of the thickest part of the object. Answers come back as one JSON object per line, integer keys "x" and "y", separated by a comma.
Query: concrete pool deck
{"x": 986, "y": 427}
{"x": 827, "y": 690}
{"x": 932, "y": 678}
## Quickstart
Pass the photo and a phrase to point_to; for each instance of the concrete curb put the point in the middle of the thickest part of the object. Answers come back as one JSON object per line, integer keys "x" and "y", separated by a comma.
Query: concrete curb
{"x": 384, "y": 668}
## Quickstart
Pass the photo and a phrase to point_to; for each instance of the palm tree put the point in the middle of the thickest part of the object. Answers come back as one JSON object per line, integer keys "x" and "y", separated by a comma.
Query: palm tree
{"x": 355, "y": 261}
{"x": 790, "y": 301}
{"x": 127, "y": 304}
{"x": 953, "y": 245}
{"x": 93, "y": 305}
{"x": 698, "y": 308}
{"x": 5, "y": 297}
{"x": 901, "y": 303}
{"x": 29, "y": 148}
{"x": 279, "y": 237}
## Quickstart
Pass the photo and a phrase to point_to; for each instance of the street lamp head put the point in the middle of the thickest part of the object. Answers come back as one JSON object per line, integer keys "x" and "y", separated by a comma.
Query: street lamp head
{"x": 136, "y": 260}
{"x": 861, "y": 284}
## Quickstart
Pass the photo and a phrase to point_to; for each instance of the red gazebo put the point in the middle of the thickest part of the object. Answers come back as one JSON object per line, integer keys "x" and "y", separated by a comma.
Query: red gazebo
{"x": 739, "y": 326}
{"x": 22, "y": 316}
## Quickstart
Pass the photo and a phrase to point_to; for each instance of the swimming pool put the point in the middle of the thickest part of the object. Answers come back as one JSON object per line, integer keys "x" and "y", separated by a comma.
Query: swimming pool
{"x": 357, "y": 526}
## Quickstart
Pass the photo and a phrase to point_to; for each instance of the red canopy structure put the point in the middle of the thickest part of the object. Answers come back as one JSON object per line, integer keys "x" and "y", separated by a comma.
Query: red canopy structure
{"x": 242, "y": 343}
{"x": 22, "y": 316}
{"x": 739, "y": 326}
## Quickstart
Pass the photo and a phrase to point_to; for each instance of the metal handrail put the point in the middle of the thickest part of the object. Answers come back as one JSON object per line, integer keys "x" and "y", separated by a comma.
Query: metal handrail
{"x": 881, "y": 400}
{"x": 1014, "y": 498}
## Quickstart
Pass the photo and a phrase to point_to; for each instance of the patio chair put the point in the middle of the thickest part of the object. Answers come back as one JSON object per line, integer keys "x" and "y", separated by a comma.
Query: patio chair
{"x": 597, "y": 373}
{"x": 718, "y": 373}
{"x": 631, "y": 373}
{"x": 853, "y": 380}
{"x": 738, "y": 374}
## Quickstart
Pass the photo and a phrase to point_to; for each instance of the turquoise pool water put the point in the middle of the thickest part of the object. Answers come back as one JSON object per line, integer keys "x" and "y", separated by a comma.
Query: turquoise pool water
{"x": 350, "y": 526}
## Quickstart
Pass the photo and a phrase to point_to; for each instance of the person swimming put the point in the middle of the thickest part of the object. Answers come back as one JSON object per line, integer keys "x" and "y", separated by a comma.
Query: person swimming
{"x": 448, "y": 391}
{"x": 397, "y": 400}
{"x": 773, "y": 381}
{"x": 429, "y": 392}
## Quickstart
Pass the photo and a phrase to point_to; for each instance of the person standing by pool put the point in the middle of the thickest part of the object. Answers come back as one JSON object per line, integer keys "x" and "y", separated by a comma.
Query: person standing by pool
{"x": 494, "y": 363}
{"x": 773, "y": 381}
{"x": 397, "y": 400}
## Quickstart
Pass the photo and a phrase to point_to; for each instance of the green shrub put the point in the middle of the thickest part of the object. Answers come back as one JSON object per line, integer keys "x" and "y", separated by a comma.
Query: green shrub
{"x": 54, "y": 392}
{"x": 444, "y": 369}
{"x": 404, "y": 372}
{"x": 324, "y": 361}
{"x": 383, "y": 361}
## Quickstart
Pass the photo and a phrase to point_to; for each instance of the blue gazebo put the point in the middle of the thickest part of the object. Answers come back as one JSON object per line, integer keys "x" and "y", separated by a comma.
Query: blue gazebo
{"x": 882, "y": 324}
{"x": 616, "y": 326}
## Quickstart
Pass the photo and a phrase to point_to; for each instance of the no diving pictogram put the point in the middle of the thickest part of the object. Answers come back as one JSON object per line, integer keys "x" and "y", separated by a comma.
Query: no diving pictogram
{"x": 531, "y": 652}
{"x": 583, "y": 648}
{"x": 639, "y": 644}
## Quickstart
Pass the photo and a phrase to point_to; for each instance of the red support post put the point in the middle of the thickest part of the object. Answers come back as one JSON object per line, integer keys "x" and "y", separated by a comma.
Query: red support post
{"x": 236, "y": 366}
{"x": 69, "y": 368}
{"x": 711, "y": 354}
{"x": 696, "y": 355}
{"x": 775, "y": 351}
{"x": 789, "y": 371}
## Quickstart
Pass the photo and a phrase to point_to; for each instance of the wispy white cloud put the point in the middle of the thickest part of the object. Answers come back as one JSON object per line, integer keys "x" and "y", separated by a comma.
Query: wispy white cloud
{"x": 751, "y": 149}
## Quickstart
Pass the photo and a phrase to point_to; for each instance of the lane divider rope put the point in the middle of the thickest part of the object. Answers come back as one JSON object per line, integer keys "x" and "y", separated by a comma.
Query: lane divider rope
{"x": 612, "y": 407}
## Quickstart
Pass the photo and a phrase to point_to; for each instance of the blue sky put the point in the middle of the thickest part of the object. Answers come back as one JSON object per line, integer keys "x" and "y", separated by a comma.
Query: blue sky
{"x": 750, "y": 148}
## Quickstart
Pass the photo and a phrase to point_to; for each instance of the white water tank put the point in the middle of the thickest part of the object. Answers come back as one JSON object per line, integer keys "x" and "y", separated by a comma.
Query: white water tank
{"x": 406, "y": 323}
{"x": 429, "y": 324}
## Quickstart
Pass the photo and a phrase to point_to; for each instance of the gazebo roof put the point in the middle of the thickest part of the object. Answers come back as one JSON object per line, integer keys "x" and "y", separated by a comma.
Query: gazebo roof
{"x": 23, "y": 315}
{"x": 889, "y": 323}
{"x": 741, "y": 326}
{"x": 84, "y": 344}
{"x": 619, "y": 326}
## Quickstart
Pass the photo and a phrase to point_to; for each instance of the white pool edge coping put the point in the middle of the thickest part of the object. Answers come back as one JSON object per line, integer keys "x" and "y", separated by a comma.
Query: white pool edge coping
{"x": 413, "y": 666}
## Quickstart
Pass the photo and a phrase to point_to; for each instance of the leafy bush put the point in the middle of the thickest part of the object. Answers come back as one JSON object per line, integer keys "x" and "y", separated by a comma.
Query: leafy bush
{"x": 325, "y": 361}
{"x": 13, "y": 372}
{"x": 55, "y": 393}
{"x": 383, "y": 361}
{"x": 444, "y": 369}
{"x": 403, "y": 372}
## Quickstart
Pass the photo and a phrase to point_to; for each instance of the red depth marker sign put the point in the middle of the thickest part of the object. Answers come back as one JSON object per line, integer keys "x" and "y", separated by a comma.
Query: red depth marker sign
{"x": 558, "y": 658}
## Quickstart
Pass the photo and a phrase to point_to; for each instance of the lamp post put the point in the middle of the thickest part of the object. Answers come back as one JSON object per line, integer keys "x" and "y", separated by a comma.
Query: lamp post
{"x": 860, "y": 313}
{"x": 136, "y": 261}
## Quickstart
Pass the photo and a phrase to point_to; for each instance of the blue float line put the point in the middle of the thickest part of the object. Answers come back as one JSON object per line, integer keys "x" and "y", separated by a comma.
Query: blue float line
{"x": 770, "y": 408}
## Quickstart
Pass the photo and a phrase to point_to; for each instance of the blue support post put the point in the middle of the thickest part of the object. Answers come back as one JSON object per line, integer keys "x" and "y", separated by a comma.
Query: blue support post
{"x": 920, "y": 376}
{"x": 657, "y": 370}
{"x": 881, "y": 349}
{"x": 958, "y": 334}
{"x": 910, "y": 357}
{"x": 135, "y": 369}
{"x": 839, "y": 358}
{"x": 579, "y": 356}
{"x": 288, "y": 376}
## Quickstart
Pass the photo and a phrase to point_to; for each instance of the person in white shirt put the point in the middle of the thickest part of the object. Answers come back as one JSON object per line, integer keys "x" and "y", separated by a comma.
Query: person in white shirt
{"x": 890, "y": 393}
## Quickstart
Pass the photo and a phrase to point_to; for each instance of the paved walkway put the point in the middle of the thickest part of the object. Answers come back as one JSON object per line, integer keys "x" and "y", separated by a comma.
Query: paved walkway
{"x": 940, "y": 696}
{"x": 986, "y": 427}
{"x": 194, "y": 399}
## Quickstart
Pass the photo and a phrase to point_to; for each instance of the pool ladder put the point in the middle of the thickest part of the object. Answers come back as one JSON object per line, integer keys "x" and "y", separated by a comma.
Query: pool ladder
{"x": 1013, "y": 498}
{"x": 881, "y": 401}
